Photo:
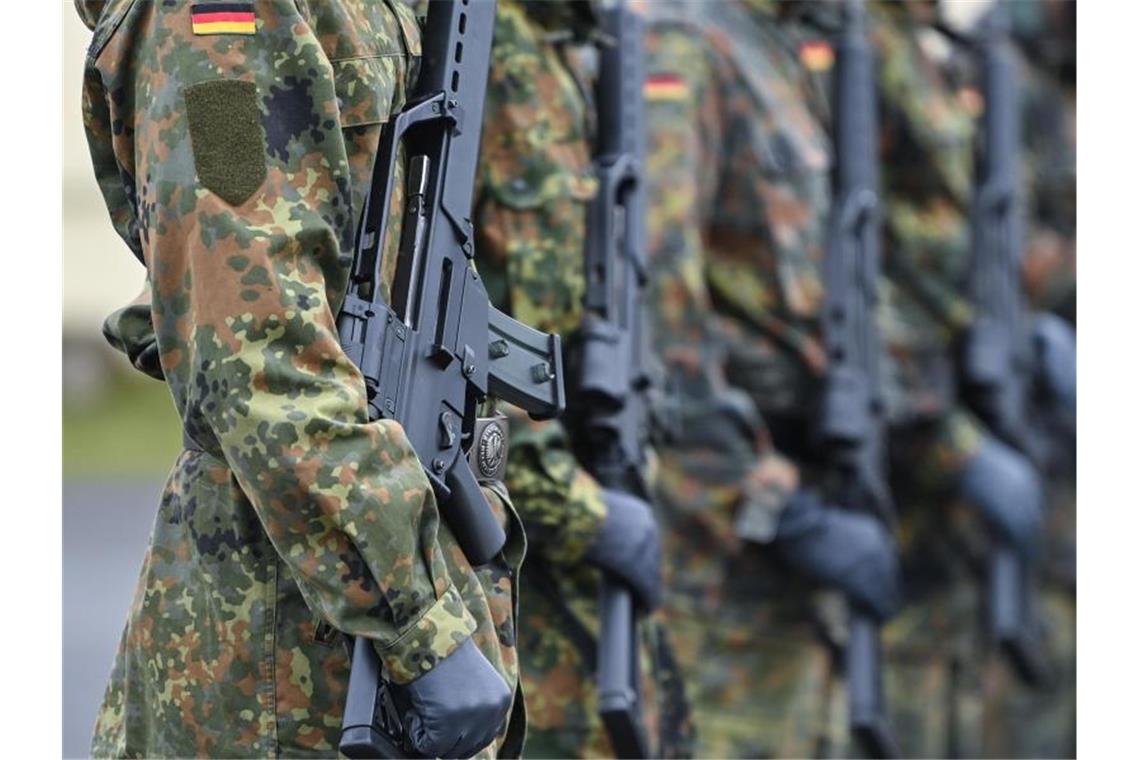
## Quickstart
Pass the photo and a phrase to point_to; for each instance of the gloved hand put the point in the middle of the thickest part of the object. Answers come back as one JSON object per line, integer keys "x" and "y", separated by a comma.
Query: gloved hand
{"x": 1055, "y": 359}
{"x": 849, "y": 551}
{"x": 457, "y": 707}
{"x": 629, "y": 546}
{"x": 1003, "y": 484}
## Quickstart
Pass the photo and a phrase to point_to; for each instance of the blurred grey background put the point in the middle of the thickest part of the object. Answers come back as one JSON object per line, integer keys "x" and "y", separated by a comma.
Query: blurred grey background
{"x": 120, "y": 432}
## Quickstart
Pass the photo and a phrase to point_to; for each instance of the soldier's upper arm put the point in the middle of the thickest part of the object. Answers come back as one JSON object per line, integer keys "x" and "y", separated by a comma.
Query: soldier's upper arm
{"x": 241, "y": 134}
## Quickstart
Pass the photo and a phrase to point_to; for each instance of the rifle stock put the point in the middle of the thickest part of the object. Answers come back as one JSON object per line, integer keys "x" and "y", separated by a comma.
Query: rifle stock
{"x": 866, "y": 700}
{"x": 1012, "y": 617}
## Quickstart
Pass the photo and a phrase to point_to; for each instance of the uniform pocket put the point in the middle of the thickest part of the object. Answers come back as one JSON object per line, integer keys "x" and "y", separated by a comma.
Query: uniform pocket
{"x": 536, "y": 223}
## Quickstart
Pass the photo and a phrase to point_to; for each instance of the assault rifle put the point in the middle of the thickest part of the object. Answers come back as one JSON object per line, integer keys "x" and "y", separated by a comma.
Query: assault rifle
{"x": 997, "y": 359}
{"x": 852, "y": 416}
{"x": 432, "y": 353}
{"x": 609, "y": 406}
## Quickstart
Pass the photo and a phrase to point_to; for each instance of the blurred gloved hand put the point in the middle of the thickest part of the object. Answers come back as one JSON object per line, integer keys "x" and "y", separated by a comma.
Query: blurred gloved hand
{"x": 1005, "y": 487}
{"x": 629, "y": 546}
{"x": 1055, "y": 359}
{"x": 457, "y": 707}
{"x": 849, "y": 551}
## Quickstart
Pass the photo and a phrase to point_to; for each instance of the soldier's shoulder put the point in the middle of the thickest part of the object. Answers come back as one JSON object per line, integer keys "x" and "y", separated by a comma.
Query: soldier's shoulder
{"x": 676, "y": 39}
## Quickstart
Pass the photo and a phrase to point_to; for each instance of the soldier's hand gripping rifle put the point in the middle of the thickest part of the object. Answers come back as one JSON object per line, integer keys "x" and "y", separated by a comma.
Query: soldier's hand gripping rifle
{"x": 997, "y": 358}
{"x": 609, "y": 409}
{"x": 853, "y": 413}
{"x": 435, "y": 350}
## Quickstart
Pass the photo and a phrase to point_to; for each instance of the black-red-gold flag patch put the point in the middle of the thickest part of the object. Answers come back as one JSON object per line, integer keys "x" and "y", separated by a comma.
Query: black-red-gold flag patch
{"x": 665, "y": 87}
{"x": 223, "y": 18}
{"x": 817, "y": 55}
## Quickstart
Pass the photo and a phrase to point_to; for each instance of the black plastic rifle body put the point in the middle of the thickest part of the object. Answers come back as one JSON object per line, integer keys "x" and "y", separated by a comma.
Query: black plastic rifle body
{"x": 852, "y": 418}
{"x": 996, "y": 370}
{"x": 433, "y": 351}
{"x": 609, "y": 414}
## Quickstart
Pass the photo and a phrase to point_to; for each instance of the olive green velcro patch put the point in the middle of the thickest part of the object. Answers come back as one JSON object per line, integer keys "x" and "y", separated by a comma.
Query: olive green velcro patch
{"x": 227, "y": 136}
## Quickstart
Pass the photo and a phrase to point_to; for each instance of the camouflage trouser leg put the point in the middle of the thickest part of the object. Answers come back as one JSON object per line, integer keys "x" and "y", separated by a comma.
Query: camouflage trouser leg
{"x": 755, "y": 693}
{"x": 557, "y": 646}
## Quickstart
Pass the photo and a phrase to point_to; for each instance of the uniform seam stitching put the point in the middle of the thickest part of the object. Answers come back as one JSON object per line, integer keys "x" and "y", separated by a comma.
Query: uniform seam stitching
{"x": 274, "y": 749}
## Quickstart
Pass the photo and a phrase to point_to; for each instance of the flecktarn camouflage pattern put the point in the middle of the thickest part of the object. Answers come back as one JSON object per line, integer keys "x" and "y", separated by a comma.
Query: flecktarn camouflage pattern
{"x": 234, "y": 165}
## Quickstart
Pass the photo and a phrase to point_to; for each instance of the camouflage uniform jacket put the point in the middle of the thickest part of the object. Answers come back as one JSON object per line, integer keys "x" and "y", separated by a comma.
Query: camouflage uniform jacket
{"x": 739, "y": 192}
{"x": 536, "y": 179}
{"x": 760, "y": 205}
{"x": 233, "y": 159}
{"x": 927, "y": 142}
{"x": 739, "y": 196}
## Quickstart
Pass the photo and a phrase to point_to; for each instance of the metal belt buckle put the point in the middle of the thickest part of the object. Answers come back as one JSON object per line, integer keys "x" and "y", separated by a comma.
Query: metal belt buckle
{"x": 488, "y": 454}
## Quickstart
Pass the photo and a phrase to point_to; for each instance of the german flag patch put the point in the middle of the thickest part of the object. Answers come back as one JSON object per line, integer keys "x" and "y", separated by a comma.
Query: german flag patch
{"x": 665, "y": 87}
{"x": 817, "y": 55}
{"x": 223, "y": 18}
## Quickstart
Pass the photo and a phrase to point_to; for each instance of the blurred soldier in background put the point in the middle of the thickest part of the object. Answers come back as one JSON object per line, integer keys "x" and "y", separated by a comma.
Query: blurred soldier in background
{"x": 1022, "y": 721}
{"x": 1046, "y": 32}
{"x": 739, "y": 175}
{"x": 535, "y": 182}
{"x": 234, "y": 145}
{"x": 949, "y": 469}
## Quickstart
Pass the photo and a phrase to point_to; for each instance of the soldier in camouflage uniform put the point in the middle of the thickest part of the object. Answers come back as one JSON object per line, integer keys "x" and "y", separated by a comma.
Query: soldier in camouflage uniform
{"x": 948, "y": 469}
{"x": 739, "y": 197}
{"x": 536, "y": 179}
{"x": 1022, "y": 721}
{"x": 233, "y": 143}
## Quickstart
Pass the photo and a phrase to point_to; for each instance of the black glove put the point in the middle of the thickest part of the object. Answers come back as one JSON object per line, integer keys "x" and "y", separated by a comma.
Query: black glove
{"x": 457, "y": 707}
{"x": 1055, "y": 355}
{"x": 629, "y": 546}
{"x": 849, "y": 551}
{"x": 1004, "y": 486}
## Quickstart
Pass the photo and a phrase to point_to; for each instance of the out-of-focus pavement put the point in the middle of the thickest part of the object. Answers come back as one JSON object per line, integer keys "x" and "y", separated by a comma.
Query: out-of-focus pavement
{"x": 105, "y": 529}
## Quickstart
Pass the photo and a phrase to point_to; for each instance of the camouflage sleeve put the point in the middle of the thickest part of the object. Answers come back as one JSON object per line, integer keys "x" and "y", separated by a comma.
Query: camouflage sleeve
{"x": 224, "y": 161}
{"x": 927, "y": 139}
{"x": 684, "y": 146}
{"x": 89, "y": 11}
{"x": 534, "y": 184}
